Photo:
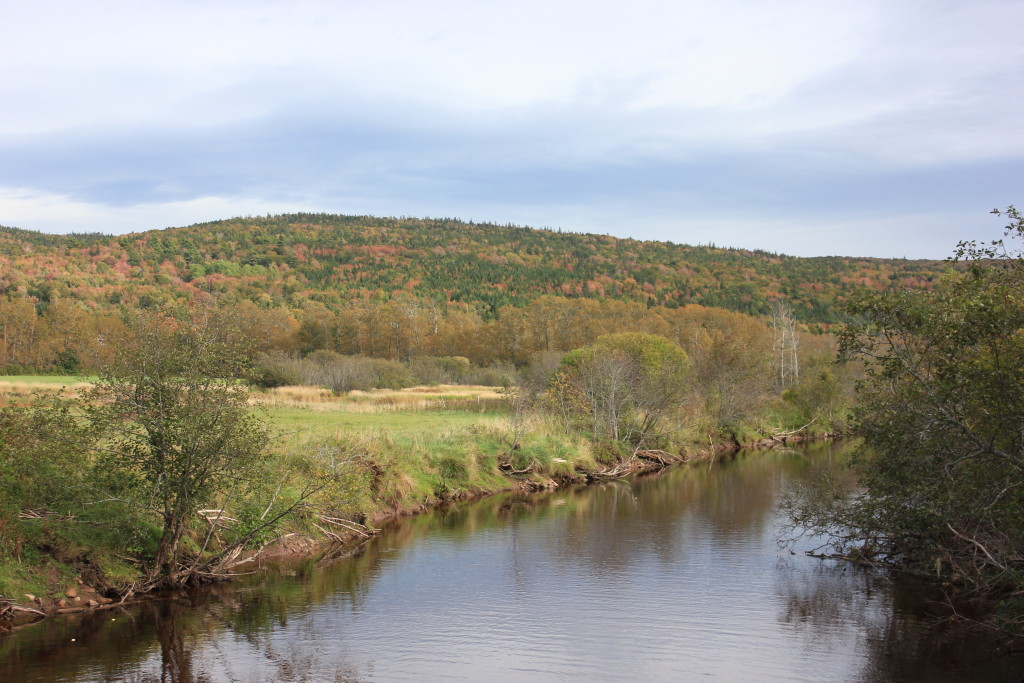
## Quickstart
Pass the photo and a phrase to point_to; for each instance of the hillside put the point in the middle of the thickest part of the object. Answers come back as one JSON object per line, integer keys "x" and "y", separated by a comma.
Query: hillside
{"x": 290, "y": 259}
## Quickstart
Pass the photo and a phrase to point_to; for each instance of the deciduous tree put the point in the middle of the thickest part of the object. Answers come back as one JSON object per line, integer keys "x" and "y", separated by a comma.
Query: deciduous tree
{"x": 630, "y": 382}
{"x": 942, "y": 413}
{"x": 181, "y": 435}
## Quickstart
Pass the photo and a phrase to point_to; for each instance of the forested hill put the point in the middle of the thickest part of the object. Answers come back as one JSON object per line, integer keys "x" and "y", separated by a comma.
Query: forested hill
{"x": 290, "y": 259}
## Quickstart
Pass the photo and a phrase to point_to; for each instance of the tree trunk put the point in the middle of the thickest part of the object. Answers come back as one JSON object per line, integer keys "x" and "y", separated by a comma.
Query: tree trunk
{"x": 167, "y": 550}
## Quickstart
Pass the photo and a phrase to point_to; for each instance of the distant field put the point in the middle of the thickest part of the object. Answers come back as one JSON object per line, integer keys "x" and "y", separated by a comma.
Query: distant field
{"x": 18, "y": 388}
{"x": 406, "y": 411}
{"x": 394, "y": 422}
{"x": 43, "y": 380}
{"x": 313, "y": 410}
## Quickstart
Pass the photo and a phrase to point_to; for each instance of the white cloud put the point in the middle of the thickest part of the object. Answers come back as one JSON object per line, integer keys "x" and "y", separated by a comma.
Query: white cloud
{"x": 137, "y": 59}
{"x": 48, "y": 212}
{"x": 245, "y": 106}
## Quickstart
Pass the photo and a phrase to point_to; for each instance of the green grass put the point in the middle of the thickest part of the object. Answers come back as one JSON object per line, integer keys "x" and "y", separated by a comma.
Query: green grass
{"x": 396, "y": 422}
{"x": 45, "y": 380}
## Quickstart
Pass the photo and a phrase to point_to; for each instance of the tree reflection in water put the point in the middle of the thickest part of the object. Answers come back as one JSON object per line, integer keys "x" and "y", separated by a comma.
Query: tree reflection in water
{"x": 666, "y": 576}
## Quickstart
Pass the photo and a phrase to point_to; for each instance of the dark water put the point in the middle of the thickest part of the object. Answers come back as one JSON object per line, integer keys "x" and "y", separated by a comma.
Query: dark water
{"x": 671, "y": 577}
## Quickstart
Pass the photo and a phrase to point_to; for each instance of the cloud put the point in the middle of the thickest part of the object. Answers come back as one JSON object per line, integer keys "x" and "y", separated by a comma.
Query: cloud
{"x": 792, "y": 113}
{"x": 60, "y": 213}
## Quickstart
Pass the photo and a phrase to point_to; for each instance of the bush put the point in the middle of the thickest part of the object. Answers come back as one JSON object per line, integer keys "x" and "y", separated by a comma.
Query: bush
{"x": 272, "y": 371}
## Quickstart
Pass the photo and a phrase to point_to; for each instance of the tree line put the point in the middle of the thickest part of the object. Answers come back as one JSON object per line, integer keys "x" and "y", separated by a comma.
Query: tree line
{"x": 287, "y": 261}
{"x": 69, "y": 336}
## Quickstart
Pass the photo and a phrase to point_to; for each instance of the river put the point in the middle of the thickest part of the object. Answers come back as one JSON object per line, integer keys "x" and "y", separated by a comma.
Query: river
{"x": 669, "y": 577}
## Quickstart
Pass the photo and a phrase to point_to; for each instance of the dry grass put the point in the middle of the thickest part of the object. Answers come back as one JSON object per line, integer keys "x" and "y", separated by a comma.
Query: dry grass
{"x": 442, "y": 397}
{"x": 294, "y": 396}
{"x": 18, "y": 389}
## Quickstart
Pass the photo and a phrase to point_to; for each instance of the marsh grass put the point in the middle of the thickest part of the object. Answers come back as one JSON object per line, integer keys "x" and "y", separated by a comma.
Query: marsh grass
{"x": 19, "y": 388}
{"x": 436, "y": 398}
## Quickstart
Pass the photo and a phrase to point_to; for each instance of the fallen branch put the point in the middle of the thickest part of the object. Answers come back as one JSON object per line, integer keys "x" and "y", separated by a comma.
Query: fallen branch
{"x": 28, "y": 610}
{"x": 508, "y": 468}
{"x": 216, "y": 517}
{"x": 661, "y": 457}
{"x": 782, "y": 436}
{"x": 622, "y": 468}
{"x": 43, "y": 514}
{"x": 350, "y": 525}
{"x": 978, "y": 545}
{"x": 329, "y": 534}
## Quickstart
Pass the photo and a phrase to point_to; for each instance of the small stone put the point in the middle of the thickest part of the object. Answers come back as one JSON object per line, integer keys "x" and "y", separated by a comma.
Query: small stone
{"x": 30, "y": 597}
{"x": 104, "y": 601}
{"x": 71, "y": 593}
{"x": 92, "y": 603}
{"x": 62, "y": 603}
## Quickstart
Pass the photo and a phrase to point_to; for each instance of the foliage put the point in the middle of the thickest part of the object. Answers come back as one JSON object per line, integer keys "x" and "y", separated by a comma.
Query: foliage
{"x": 399, "y": 288}
{"x": 42, "y": 469}
{"x": 179, "y": 432}
{"x": 628, "y": 383}
{"x": 942, "y": 412}
{"x": 817, "y": 396}
{"x": 730, "y": 353}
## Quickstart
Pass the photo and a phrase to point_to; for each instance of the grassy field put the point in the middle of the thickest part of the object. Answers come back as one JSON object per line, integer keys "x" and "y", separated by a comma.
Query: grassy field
{"x": 41, "y": 381}
{"x": 417, "y": 410}
{"x": 312, "y": 410}
{"x": 18, "y": 388}
{"x": 396, "y": 422}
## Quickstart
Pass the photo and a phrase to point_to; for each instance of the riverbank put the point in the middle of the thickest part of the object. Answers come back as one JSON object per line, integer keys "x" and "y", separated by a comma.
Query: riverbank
{"x": 609, "y": 582}
{"x": 408, "y": 474}
{"x": 368, "y": 456}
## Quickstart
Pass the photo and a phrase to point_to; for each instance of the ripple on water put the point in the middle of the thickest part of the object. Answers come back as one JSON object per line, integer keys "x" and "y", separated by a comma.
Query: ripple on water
{"x": 668, "y": 578}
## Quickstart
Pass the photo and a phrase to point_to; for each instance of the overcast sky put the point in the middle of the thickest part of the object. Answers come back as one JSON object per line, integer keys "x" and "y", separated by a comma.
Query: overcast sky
{"x": 881, "y": 128}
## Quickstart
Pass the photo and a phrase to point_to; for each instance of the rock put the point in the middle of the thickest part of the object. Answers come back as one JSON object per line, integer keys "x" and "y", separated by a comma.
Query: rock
{"x": 104, "y": 601}
{"x": 92, "y": 603}
{"x": 88, "y": 589}
{"x": 71, "y": 593}
{"x": 62, "y": 603}
{"x": 30, "y": 597}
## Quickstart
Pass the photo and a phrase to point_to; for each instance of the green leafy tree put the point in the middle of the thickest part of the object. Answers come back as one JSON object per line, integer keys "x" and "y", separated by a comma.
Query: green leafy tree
{"x": 942, "y": 413}
{"x": 180, "y": 433}
{"x": 628, "y": 382}
{"x": 43, "y": 468}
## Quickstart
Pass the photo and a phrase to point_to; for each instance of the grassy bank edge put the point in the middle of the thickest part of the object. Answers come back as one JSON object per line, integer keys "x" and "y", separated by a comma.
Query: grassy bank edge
{"x": 408, "y": 474}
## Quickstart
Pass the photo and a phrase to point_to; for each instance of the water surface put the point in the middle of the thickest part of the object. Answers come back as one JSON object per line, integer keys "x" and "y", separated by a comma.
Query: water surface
{"x": 676, "y": 576}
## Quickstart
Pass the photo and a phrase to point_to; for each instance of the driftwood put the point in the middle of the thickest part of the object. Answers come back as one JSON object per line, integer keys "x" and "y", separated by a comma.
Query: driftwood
{"x": 660, "y": 457}
{"x": 507, "y": 467}
{"x": 625, "y": 467}
{"x": 41, "y": 514}
{"x": 10, "y": 608}
{"x": 217, "y": 518}
{"x": 356, "y": 527}
{"x": 780, "y": 437}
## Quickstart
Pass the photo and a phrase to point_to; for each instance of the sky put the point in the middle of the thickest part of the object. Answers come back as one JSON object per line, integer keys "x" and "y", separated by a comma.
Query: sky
{"x": 863, "y": 128}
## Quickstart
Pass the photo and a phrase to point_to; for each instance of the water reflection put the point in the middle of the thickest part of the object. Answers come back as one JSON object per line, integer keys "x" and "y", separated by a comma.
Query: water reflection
{"x": 666, "y": 577}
